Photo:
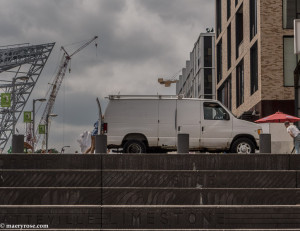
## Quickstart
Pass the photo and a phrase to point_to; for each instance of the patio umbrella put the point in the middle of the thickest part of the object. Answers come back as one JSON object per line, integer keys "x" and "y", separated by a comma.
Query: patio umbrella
{"x": 278, "y": 117}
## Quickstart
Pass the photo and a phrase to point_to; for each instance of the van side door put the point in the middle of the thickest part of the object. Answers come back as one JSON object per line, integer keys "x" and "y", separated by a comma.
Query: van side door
{"x": 166, "y": 123}
{"x": 216, "y": 129}
{"x": 188, "y": 120}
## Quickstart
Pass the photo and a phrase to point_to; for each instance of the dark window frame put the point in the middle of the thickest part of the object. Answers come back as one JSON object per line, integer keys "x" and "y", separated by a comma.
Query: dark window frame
{"x": 208, "y": 83}
{"x": 296, "y": 57}
{"x": 229, "y": 50}
{"x": 295, "y": 16}
{"x": 218, "y": 17}
{"x": 239, "y": 28}
{"x": 253, "y": 16}
{"x": 228, "y": 9}
{"x": 240, "y": 84}
{"x": 207, "y": 57}
{"x": 254, "y": 75}
{"x": 219, "y": 61}
{"x": 227, "y": 88}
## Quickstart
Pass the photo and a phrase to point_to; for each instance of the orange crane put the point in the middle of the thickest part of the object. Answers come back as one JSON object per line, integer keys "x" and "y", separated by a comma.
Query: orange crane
{"x": 170, "y": 80}
{"x": 64, "y": 63}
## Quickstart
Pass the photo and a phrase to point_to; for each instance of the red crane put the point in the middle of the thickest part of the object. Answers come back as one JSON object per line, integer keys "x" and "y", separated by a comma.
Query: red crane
{"x": 63, "y": 66}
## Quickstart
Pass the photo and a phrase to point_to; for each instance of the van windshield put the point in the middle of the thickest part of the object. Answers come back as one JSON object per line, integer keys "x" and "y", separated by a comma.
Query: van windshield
{"x": 214, "y": 111}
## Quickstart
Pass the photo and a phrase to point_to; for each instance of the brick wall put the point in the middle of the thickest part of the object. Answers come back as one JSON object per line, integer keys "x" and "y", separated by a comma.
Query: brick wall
{"x": 269, "y": 40}
{"x": 272, "y": 52}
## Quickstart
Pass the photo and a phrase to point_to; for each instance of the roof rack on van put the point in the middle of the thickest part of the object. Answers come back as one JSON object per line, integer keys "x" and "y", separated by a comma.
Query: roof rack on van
{"x": 112, "y": 97}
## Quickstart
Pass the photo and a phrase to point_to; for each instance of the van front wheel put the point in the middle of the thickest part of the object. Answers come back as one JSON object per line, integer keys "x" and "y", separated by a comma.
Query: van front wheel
{"x": 243, "y": 146}
{"x": 134, "y": 146}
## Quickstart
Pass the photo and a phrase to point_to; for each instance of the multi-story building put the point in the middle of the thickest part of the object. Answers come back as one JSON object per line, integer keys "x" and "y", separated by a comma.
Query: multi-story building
{"x": 254, "y": 55}
{"x": 198, "y": 76}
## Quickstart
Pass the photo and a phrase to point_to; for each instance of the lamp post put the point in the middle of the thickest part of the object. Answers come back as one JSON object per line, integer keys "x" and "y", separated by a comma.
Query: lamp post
{"x": 17, "y": 143}
{"x": 47, "y": 132}
{"x": 24, "y": 78}
{"x": 63, "y": 148}
{"x": 33, "y": 120}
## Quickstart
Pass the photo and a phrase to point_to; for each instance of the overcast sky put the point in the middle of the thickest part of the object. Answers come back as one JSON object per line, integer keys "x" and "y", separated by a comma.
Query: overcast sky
{"x": 139, "y": 41}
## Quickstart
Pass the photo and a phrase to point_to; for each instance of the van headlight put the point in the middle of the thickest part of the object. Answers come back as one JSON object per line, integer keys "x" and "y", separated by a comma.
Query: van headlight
{"x": 259, "y": 131}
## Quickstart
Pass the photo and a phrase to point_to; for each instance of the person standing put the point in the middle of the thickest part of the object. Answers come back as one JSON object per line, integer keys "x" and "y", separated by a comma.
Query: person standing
{"x": 295, "y": 134}
{"x": 94, "y": 133}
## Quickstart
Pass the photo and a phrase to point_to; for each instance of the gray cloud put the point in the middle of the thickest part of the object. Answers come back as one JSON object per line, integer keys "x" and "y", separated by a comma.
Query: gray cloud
{"x": 181, "y": 12}
{"x": 139, "y": 41}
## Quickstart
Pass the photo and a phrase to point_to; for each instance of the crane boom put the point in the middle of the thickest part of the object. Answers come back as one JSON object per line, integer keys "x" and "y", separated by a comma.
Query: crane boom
{"x": 64, "y": 63}
{"x": 83, "y": 46}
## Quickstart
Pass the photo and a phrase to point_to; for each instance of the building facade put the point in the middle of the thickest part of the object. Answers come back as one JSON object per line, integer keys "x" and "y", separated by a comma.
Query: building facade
{"x": 198, "y": 76}
{"x": 254, "y": 56}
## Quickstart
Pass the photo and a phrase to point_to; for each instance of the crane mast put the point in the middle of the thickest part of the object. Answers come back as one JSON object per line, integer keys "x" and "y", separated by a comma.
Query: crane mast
{"x": 63, "y": 66}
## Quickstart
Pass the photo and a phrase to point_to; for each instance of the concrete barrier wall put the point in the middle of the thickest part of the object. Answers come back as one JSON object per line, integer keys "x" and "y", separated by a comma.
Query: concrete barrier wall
{"x": 149, "y": 178}
{"x": 154, "y": 217}
{"x": 149, "y": 161}
{"x": 202, "y": 179}
{"x": 151, "y": 191}
{"x": 147, "y": 196}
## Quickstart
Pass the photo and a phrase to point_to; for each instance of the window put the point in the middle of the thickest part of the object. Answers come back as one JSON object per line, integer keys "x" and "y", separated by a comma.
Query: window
{"x": 239, "y": 31}
{"x": 253, "y": 18}
{"x": 219, "y": 61}
{"x": 291, "y": 11}
{"x": 199, "y": 87}
{"x": 289, "y": 61}
{"x": 229, "y": 46}
{"x": 254, "y": 68}
{"x": 219, "y": 17}
{"x": 224, "y": 93}
{"x": 236, "y": 2}
{"x": 207, "y": 51}
{"x": 214, "y": 111}
{"x": 228, "y": 9}
{"x": 208, "y": 83}
{"x": 240, "y": 84}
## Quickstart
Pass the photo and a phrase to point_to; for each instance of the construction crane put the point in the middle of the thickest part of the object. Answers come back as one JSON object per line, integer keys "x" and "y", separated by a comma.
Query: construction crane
{"x": 63, "y": 66}
{"x": 20, "y": 68}
{"x": 169, "y": 80}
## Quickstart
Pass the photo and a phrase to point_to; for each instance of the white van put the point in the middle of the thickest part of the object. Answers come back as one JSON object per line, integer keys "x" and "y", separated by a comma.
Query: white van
{"x": 141, "y": 124}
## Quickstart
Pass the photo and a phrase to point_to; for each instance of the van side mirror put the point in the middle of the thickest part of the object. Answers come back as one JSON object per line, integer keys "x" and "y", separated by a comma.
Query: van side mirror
{"x": 226, "y": 116}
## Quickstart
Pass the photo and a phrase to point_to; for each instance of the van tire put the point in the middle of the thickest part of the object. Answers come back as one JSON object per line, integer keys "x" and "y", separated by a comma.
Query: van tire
{"x": 243, "y": 146}
{"x": 134, "y": 146}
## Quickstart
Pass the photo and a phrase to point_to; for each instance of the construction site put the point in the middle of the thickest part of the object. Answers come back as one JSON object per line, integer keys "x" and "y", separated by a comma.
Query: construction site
{"x": 21, "y": 67}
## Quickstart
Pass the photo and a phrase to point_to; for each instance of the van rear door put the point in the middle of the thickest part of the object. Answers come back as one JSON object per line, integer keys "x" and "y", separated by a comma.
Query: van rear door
{"x": 188, "y": 120}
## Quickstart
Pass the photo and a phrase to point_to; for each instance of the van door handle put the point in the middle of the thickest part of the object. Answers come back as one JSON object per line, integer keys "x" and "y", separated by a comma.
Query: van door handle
{"x": 202, "y": 128}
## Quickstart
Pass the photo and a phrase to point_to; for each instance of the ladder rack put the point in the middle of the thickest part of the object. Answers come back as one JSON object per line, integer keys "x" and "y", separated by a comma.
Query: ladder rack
{"x": 115, "y": 97}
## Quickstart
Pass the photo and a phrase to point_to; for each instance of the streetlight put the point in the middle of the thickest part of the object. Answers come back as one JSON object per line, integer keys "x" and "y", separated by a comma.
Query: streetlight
{"x": 33, "y": 120}
{"x": 63, "y": 148}
{"x": 23, "y": 78}
{"x": 47, "y": 121}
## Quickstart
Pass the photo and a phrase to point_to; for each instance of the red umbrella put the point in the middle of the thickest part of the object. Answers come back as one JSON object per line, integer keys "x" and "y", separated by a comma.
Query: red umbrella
{"x": 278, "y": 117}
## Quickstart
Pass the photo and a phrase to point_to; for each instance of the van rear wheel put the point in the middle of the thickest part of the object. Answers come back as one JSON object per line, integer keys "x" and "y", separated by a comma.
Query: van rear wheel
{"x": 243, "y": 146}
{"x": 134, "y": 146}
